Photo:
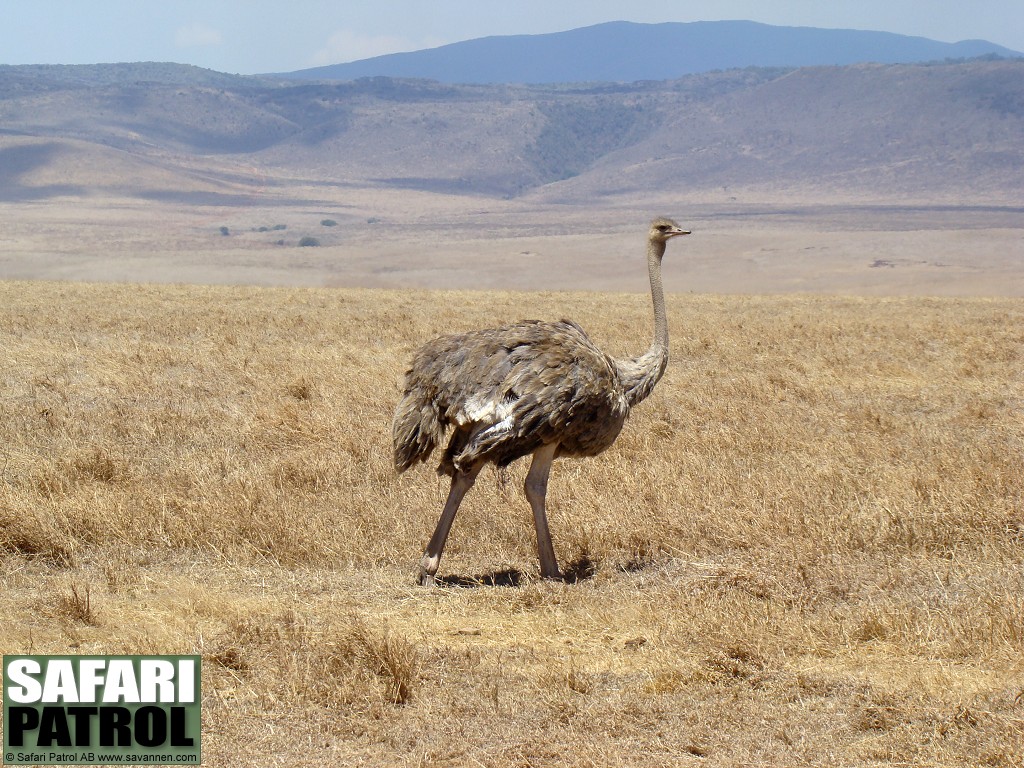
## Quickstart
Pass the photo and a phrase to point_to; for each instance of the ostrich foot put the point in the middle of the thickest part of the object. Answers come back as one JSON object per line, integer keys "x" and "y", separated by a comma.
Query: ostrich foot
{"x": 428, "y": 567}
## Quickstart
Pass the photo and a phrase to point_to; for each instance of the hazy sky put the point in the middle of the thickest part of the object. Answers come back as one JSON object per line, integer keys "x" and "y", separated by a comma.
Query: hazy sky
{"x": 253, "y": 36}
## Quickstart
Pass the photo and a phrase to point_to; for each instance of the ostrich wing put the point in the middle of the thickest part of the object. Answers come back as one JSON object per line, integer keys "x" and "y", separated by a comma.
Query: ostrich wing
{"x": 507, "y": 391}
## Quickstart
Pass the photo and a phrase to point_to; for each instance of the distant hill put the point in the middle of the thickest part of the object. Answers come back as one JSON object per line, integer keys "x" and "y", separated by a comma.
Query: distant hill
{"x": 946, "y": 131}
{"x": 628, "y": 52}
{"x": 27, "y": 76}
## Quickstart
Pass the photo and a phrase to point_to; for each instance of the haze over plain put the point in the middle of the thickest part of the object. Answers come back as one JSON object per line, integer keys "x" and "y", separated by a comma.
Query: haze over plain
{"x": 439, "y": 184}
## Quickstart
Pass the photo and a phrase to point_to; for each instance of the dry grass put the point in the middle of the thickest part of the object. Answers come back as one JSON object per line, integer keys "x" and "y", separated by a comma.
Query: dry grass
{"x": 805, "y": 549}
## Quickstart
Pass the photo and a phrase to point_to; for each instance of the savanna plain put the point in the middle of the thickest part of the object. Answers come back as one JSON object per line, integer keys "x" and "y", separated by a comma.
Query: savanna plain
{"x": 806, "y": 547}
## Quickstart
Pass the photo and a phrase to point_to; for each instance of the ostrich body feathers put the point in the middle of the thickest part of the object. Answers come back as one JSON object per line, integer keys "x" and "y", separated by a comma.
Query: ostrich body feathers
{"x": 507, "y": 391}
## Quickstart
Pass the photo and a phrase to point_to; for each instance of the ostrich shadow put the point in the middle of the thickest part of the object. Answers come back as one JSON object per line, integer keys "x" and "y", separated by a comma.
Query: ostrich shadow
{"x": 581, "y": 569}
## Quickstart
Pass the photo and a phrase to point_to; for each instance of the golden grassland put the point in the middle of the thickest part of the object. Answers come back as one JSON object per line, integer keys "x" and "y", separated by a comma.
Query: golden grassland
{"x": 806, "y": 548}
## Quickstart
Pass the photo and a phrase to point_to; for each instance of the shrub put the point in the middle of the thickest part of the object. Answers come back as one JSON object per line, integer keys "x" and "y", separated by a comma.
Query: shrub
{"x": 308, "y": 242}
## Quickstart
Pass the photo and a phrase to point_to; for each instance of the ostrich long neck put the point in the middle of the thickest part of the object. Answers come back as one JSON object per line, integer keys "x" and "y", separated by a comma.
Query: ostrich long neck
{"x": 639, "y": 374}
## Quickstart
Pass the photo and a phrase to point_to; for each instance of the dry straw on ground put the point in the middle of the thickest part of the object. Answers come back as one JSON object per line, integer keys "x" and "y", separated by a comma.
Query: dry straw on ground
{"x": 807, "y": 548}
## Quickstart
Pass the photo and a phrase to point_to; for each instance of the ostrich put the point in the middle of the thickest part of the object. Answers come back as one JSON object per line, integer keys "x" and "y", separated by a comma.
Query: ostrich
{"x": 530, "y": 388}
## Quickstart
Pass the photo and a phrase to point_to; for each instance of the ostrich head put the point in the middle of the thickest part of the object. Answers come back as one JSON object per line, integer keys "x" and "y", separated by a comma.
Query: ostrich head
{"x": 662, "y": 230}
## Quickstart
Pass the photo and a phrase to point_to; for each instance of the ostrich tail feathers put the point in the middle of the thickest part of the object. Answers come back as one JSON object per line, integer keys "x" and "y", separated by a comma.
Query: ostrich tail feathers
{"x": 416, "y": 430}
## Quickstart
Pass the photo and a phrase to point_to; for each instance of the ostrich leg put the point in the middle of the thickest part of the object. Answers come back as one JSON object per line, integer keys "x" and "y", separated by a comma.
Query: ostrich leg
{"x": 461, "y": 483}
{"x": 536, "y": 491}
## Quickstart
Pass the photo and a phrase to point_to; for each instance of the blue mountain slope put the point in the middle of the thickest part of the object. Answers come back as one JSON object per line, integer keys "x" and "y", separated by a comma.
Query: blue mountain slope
{"x": 625, "y": 52}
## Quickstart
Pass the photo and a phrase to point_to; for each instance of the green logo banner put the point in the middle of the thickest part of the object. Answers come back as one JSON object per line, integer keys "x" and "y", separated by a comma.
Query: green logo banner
{"x": 95, "y": 710}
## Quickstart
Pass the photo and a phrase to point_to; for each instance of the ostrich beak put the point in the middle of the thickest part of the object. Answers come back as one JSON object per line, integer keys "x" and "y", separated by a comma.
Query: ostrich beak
{"x": 681, "y": 232}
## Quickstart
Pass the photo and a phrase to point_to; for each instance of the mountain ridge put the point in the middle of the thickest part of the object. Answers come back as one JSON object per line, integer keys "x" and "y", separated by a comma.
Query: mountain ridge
{"x": 930, "y": 132}
{"x": 622, "y": 51}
